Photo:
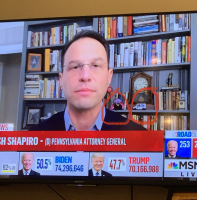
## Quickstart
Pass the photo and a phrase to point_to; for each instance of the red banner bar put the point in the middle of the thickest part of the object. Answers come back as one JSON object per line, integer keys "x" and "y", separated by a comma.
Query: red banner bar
{"x": 136, "y": 141}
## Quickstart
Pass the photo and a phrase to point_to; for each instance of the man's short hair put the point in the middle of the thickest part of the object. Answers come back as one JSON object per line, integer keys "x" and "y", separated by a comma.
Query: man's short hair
{"x": 172, "y": 141}
{"x": 94, "y": 155}
{"x": 87, "y": 34}
{"x": 27, "y": 153}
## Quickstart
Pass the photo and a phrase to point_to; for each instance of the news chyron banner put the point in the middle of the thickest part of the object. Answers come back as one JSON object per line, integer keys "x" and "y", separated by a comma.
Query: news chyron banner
{"x": 57, "y": 163}
{"x": 9, "y": 163}
{"x": 126, "y": 164}
{"x": 180, "y": 154}
{"x": 62, "y": 153}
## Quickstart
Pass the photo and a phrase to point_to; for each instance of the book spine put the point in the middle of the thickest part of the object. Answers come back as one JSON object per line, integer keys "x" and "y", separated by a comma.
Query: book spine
{"x": 149, "y": 52}
{"x": 102, "y": 24}
{"x": 172, "y": 17}
{"x": 180, "y": 21}
{"x": 153, "y": 52}
{"x": 160, "y": 23}
{"x": 183, "y": 49}
{"x": 144, "y": 53}
{"x": 114, "y": 27}
{"x": 105, "y": 23}
{"x": 139, "y": 52}
{"x": 115, "y": 55}
{"x": 162, "y": 123}
{"x": 176, "y": 22}
{"x": 99, "y": 25}
{"x": 163, "y": 60}
{"x": 129, "y": 25}
{"x": 108, "y": 27}
{"x": 164, "y": 100}
{"x": 163, "y": 23}
{"x": 124, "y": 26}
{"x": 118, "y": 55}
{"x": 126, "y": 55}
{"x": 159, "y": 52}
{"x": 167, "y": 23}
{"x": 120, "y": 26}
{"x": 169, "y": 51}
{"x": 185, "y": 122}
{"x": 136, "y": 54}
{"x": 122, "y": 55}
{"x": 131, "y": 54}
{"x": 189, "y": 49}
{"x": 160, "y": 100}
{"x": 173, "y": 50}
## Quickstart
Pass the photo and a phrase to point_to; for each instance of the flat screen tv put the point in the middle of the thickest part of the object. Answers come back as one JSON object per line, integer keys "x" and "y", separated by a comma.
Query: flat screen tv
{"x": 102, "y": 99}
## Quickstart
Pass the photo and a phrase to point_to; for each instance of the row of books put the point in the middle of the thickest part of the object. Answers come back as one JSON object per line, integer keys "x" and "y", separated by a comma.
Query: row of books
{"x": 169, "y": 122}
{"x": 175, "y": 22}
{"x": 122, "y": 26}
{"x": 36, "y": 87}
{"x": 173, "y": 50}
{"x": 173, "y": 100}
{"x": 53, "y": 60}
{"x": 54, "y": 36}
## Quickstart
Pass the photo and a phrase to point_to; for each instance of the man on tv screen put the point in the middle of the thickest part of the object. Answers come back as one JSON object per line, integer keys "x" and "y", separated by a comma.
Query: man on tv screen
{"x": 84, "y": 80}
{"x": 172, "y": 147}
{"x": 97, "y": 161}
{"x": 27, "y": 161}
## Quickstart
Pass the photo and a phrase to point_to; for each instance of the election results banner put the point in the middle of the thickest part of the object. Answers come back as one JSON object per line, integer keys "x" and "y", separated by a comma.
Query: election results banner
{"x": 59, "y": 163}
{"x": 9, "y": 163}
{"x": 180, "y": 149}
{"x": 130, "y": 164}
{"x": 137, "y": 141}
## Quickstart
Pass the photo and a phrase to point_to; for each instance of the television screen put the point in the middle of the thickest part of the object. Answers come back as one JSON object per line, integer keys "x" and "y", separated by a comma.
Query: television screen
{"x": 108, "y": 99}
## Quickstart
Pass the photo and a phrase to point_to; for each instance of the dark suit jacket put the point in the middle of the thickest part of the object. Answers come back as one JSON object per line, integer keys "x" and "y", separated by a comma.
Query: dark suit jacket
{"x": 103, "y": 173}
{"x": 177, "y": 157}
{"x": 56, "y": 123}
{"x": 32, "y": 172}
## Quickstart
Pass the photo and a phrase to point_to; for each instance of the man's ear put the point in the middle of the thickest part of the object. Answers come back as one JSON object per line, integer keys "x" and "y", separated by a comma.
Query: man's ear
{"x": 110, "y": 74}
{"x": 60, "y": 79}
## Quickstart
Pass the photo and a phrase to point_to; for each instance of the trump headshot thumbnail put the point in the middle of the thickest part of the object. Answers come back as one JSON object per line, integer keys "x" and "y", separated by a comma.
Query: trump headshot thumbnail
{"x": 97, "y": 161}
{"x": 172, "y": 147}
{"x": 84, "y": 79}
{"x": 27, "y": 160}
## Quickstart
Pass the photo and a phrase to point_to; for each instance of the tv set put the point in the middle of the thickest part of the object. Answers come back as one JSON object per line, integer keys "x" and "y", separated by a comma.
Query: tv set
{"x": 124, "y": 83}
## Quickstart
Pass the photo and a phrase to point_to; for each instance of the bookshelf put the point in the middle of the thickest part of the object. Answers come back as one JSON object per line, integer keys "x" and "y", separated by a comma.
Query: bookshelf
{"x": 181, "y": 71}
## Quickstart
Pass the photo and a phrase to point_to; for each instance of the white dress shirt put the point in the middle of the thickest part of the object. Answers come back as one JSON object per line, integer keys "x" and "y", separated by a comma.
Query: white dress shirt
{"x": 172, "y": 156}
{"x": 95, "y": 172}
{"x": 26, "y": 172}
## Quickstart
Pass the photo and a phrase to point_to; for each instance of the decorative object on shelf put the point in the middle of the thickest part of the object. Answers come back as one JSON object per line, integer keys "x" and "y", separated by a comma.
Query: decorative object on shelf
{"x": 32, "y": 115}
{"x": 137, "y": 82}
{"x": 169, "y": 83}
{"x": 109, "y": 91}
{"x": 45, "y": 118}
{"x": 117, "y": 105}
{"x": 139, "y": 106}
{"x": 34, "y": 62}
{"x": 182, "y": 102}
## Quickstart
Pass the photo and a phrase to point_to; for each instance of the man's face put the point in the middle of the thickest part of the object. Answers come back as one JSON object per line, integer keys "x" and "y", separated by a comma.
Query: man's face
{"x": 27, "y": 161}
{"x": 97, "y": 163}
{"x": 172, "y": 148}
{"x": 85, "y": 88}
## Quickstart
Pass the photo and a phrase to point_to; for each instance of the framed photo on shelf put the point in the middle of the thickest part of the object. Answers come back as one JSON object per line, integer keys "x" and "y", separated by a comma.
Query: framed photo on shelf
{"x": 32, "y": 115}
{"x": 34, "y": 62}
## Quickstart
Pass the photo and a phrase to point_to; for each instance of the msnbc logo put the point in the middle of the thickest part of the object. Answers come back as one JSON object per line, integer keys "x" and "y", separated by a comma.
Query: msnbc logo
{"x": 172, "y": 166}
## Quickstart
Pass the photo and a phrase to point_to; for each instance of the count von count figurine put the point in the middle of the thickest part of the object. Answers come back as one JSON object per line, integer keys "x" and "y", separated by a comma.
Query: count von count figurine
{"x": 117, "y": 105}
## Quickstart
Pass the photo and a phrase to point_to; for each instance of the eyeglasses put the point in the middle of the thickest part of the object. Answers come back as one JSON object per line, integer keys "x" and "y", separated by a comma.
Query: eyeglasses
{"x": 77, "y": 67}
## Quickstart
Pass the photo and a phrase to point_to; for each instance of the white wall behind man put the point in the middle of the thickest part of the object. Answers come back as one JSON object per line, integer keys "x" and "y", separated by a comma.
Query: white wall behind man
{"x": 11, "y": 37}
